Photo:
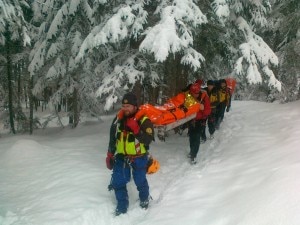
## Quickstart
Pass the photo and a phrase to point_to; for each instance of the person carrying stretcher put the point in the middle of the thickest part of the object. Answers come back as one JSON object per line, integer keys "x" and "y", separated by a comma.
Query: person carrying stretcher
{"x": 194, "y": 95}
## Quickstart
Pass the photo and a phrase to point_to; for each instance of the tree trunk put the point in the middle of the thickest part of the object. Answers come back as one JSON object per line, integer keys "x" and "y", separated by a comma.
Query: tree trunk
{"x": 75, "y": 107}
{"x": 18, "y": 72}
{"x": 30, "y": 105}
{"x": 176, "y": 75}
{"x": 9, "y": 80}
{"x": 70, "y": 110}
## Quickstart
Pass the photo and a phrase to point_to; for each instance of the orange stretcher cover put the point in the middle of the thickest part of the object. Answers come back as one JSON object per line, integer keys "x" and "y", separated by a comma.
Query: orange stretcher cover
{"x": 165, "y": 114}
{"x": 162, "y": 115}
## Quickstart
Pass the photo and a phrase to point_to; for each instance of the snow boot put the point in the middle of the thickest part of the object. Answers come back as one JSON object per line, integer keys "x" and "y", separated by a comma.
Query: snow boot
{"x": 144, "y": 204}
{"x": 119, "y": 212}
{"x": 193, "y": 161}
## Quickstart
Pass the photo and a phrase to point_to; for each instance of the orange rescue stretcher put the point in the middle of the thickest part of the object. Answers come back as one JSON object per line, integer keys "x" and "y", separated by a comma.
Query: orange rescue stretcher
{"x": 166, "y": 117}
{"x": 170, "y": 115}
{"x": 167, "y": 114}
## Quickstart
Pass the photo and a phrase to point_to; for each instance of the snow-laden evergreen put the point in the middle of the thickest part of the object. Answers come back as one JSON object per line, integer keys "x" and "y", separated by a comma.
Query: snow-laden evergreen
{"x": 255, "y": 58}
{"x": 174, "y": 32}
{"x": 12, "y": 20}
{"x": 257, "y": 55}
{"x": 171, "y": 33}
{"x": 284, "y": 28}
{"x": 53, "y": 56}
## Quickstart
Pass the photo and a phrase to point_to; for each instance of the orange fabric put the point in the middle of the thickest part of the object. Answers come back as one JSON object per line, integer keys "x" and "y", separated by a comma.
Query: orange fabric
{"x": 231, "y": 83}
{"x": 178, "y": 99}
{"x": 167, "y": 113}
{"x": 161, "y": 116}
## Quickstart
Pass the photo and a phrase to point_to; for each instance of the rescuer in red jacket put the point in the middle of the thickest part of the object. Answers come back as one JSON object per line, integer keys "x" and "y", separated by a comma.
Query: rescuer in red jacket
{"x": 196, "y": 125}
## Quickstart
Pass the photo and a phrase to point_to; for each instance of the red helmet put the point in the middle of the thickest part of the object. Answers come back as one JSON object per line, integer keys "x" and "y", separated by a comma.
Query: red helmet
{"x": 199, "y": 81}
{"x": 195, "y": 88}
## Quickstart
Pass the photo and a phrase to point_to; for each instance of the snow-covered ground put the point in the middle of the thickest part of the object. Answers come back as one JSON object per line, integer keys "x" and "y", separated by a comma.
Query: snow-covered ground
{"x": 247, "y": 175}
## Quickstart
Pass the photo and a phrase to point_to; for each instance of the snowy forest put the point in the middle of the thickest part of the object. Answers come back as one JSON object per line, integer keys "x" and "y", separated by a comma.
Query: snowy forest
{"x": 78, "y": 57}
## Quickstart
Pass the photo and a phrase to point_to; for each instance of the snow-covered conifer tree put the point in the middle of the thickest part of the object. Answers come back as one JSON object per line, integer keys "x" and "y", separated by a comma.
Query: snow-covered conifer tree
{"x": 167, "y": 29}
{"x": 12, "y": 16}
{"x": 254, "y": 57}
{"x": 62, "y": 26}
{"x": 284, "y": 32}
{"x": 13, "y": 32}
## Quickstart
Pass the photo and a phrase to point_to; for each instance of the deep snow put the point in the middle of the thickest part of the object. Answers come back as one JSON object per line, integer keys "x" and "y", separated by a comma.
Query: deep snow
{"x": 247, "y": 175}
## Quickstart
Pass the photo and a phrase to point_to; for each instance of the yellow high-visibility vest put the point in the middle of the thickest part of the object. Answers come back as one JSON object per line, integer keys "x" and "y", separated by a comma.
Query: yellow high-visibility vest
{"x": 127, "y": 144}
{"x": 189, "y": 100}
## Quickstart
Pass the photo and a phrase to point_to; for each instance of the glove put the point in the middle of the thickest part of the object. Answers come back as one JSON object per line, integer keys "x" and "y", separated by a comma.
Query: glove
{"x": 109, "y": 160}
{"x": 133, "y": 125}
{"x": 183, "y": 108}
{"x": 227, "y": 109}
{"x": 201, "y": 107}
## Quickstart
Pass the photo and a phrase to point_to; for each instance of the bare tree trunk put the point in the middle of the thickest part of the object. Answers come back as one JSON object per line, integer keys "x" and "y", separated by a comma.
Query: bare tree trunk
{"x": 175, "y": 75}
{"x": 18, "y": 72}
{"x": 70, "y": 110}
{"x": 9, "y": 79}
{"x": 139, "y": 92}
{"x": 75, "y": 107}
{"x": 30, "y": 105}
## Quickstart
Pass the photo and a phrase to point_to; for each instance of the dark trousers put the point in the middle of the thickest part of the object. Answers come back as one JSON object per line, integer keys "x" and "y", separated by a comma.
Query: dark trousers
{"x": 220, "y": 113}
{"x": 203, "y": 129}
{"x": 211, "y": 123}
{"x": 195, "y": 130}
{"x": 122, "y": 175}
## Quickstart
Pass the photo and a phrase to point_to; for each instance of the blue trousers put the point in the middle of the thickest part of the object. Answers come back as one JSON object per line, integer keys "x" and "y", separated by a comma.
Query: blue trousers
{"x": 121, "y": 176}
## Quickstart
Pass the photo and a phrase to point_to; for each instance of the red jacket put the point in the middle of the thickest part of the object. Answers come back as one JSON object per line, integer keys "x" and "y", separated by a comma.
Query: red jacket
{"x": 204, "y": 100}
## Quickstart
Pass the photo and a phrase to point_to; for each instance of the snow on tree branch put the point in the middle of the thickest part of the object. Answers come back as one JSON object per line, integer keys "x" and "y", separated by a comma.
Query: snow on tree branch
{"x": 38, "y": 57}
{"x": 162, "y": 39}
{"x": 192, "y": 58}
{"x": 114, "y": 30}
{"x": 122, "y": 75}
{"x": 140, "y": 20}
{"x": 174, "y": 31}
{"x": 7, "y": 11}
{"x": 11, "y": 14}
{"x": 129, "y": 71}
{"x": 58, "y": 21}
{"x": 255, "y": 54}
{"x": 26, "y": 38}
{"x": 221, "y": 9}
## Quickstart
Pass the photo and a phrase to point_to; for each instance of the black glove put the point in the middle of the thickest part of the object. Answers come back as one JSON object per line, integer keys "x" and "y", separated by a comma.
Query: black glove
{"x": 227, "y": 109}
{"x": 183, "y": 108}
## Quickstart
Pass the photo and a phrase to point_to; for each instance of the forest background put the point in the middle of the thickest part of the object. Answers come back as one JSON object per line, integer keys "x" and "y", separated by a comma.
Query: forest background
{"x": 78, "y": 57}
